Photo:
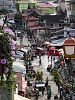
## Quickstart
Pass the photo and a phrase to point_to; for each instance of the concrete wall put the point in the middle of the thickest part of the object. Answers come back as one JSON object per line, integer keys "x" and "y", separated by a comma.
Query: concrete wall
{"x": 4, "y": 93}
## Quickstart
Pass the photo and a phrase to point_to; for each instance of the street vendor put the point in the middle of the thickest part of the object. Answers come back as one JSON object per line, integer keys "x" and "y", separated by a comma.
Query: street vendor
{"x": 48, "y": 92}
{"x": 37, "y": 94}
{"x": 46, "y": 84}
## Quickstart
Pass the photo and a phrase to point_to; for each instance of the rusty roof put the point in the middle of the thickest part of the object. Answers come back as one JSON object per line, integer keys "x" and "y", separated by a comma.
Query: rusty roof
{"x": 69, "y": 41}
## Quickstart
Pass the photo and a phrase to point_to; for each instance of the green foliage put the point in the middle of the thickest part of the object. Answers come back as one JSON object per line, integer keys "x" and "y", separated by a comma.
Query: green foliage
{"x": 6, "y": 54}
{"x": 29, "y": 74}
{"x": 18, "y": 19}
{"x": 73, "y": 87}
{"x": 39, "y": 75}
{"x": 56, "y": 76}
{"x": 17, "y": 6}
{"x": 4, "y": 11}
{"x": 34, "y": 6}
{"x": 29, "y": 7}
{"x": 48, "y": 11}
{"x": 69, "y": 56}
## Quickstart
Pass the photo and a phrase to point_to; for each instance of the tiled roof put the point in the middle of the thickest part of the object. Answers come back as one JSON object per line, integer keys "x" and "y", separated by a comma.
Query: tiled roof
{"x": 52, "y": 18}
{"x": 47, "y": 5}
{"x": 32, "y": 23}
{"x": 69, "y": 41}
{"x": 32, "y": 18}
{"x": 35, "y": 27}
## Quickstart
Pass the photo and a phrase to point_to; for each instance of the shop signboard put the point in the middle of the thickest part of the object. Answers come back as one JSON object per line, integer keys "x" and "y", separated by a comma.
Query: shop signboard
{"x": 72, "y": 32}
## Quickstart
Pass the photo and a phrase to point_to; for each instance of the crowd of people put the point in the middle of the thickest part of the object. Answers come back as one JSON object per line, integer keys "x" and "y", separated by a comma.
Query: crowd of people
{"x": 63, "y": 92}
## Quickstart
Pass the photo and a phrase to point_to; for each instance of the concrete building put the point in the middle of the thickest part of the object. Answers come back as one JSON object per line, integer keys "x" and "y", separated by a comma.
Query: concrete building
{"x": 7, "y": 4}
{"x": 62, "y": 4}
{"x": 70, "y": 6}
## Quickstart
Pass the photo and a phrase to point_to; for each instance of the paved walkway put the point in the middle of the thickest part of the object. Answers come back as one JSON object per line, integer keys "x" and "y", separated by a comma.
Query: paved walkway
{"x": 46, "y": 74}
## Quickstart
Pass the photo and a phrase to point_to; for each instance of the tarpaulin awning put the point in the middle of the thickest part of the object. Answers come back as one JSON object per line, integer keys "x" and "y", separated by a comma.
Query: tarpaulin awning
{"x": 19, "y": 67}
{"x": 46, "y": 43}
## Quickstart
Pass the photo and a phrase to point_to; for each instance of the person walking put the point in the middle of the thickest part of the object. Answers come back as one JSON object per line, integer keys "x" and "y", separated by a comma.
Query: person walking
{"x": 46, "y": 84}
{"x": 48, "y": 58}
{"x": 48, "y": 92}
{"x": 56, "y": 97}
{"x": 43, "y": 89}
{"x": 39, "y": 62}
{"x": 37, "y": 94}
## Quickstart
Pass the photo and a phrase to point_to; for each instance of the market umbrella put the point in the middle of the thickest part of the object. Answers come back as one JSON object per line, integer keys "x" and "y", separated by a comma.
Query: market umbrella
{"x": 40, "y": 48}
{"x": 19, "y": 67}
{"x": 46, "y": 43}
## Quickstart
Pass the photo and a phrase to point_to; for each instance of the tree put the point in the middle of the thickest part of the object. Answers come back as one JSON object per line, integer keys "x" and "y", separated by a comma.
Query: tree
{"x": 56, "y": 76}
{"x": 29, "y": 7}
{"x": 34, "y": 6}
{"x": 17, "y": 6}
{"x": 39, "y": 75}
{"x": 18, "y": 19}
{"x": 4, "y": 11}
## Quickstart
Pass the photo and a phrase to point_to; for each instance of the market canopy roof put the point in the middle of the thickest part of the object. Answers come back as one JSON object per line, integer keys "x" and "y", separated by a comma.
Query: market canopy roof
{"x": 19, "y": 67}
{"x": 47, "y": 5}
{"x": 52, "y": 19}
{"x": 69, "y": 41}
{"x": 47, "y": 43}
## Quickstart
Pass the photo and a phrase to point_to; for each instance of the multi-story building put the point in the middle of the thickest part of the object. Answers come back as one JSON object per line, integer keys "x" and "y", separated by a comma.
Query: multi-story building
{"x": 62, "y": 4}
{"x": 7, "y": 4}
{"x": 72, "y": 8}
{"x": 70, "y": 5}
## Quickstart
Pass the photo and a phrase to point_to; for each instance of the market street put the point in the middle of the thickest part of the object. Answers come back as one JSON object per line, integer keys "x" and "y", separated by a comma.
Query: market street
{"x": 46, "y": 74}
{"x": 43, "y": 68}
